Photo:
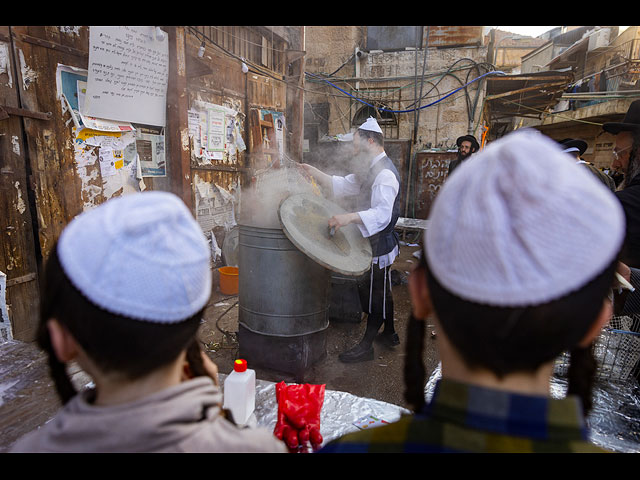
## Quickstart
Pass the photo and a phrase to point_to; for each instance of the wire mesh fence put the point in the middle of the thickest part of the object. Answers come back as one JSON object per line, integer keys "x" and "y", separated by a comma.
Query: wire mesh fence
{"x": 616, "y": 350}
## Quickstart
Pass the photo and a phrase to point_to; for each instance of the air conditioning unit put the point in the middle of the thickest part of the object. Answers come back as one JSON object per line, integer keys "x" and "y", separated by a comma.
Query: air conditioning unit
{"x": 599, "y": 39}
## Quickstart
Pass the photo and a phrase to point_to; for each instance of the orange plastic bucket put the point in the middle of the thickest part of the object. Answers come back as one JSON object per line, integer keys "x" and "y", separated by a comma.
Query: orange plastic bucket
{"x": 228, "y": 280}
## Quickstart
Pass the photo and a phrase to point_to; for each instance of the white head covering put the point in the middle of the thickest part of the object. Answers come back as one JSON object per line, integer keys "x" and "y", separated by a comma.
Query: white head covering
{"x": 520, "y": 224}
{"x": 371, "y": 124}
{"x": 141, "y": 255}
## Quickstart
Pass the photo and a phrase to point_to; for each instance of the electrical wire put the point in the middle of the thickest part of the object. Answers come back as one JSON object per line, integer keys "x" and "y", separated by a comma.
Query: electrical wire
{"x": 342, "y": 66}
{"x": 408, "y": 110}
{"x": 448, "y": 72}
{"x": 257, "y": 69}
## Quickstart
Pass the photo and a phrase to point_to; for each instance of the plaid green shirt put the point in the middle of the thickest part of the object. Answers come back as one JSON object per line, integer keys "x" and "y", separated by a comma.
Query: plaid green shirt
{"x": 464, "y": 418}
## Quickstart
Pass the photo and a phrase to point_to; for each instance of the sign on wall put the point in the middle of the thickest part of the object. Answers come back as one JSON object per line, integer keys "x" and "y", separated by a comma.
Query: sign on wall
{"x": 128, "y": 74}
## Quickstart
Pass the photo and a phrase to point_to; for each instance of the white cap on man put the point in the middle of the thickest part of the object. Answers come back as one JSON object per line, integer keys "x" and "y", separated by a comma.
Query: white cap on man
{"x": 371, "y": 124}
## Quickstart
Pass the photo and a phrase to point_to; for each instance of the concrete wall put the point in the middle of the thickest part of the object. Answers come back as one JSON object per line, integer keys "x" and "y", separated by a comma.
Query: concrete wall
{"x": 438, "y": 125}
{"x": 536, "y": 61}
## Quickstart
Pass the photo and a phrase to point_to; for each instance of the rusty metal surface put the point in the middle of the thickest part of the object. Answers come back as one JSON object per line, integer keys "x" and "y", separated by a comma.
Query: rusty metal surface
{"x": 17, "y": 248}
{"x": 432, "y": 170}
{"x": 450, "y": 36}
{"x": 525, "y": 94}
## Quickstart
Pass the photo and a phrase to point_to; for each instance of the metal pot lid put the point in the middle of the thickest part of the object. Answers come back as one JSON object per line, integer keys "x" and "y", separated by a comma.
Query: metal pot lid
{"x": 305, "y": 222}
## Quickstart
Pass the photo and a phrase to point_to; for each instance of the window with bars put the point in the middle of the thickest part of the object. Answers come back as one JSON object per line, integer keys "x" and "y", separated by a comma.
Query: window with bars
{"x": 381, "y": 104}
{"x": 257, "y": 45}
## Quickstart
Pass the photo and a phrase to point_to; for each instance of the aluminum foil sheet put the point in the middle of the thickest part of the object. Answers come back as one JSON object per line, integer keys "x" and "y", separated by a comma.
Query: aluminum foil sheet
{"x": 614, "y": 421}
{"x": 340, "y": 410}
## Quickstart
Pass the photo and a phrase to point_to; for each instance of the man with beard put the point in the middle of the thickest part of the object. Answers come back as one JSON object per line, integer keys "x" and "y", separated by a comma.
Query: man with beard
{"x": 375, "y": 184}
{"x": 626, "y": 155}
{"x": 467, "y": 146}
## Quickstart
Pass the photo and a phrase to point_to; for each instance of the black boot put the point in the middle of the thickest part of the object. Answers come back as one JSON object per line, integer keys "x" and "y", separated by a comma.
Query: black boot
{"x": 360, "y": 353}
{"x": 389, "y": 340}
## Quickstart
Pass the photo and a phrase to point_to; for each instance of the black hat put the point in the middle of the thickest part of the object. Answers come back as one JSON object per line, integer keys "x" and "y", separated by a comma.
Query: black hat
{"x": 581, "y": 145}
{"x": 630, "y": 123}
{"x": 468, "y": 138}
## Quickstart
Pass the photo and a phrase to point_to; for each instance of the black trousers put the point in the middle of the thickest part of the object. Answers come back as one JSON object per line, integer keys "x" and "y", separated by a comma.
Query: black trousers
{"x": 376, "y": 299}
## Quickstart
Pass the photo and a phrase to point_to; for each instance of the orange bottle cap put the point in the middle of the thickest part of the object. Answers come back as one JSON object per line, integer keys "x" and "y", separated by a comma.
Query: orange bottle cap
{"x": 240, "y": 365}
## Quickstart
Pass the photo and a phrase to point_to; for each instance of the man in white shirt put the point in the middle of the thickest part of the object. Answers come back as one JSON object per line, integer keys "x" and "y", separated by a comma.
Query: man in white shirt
{"x": 377, "y": 211}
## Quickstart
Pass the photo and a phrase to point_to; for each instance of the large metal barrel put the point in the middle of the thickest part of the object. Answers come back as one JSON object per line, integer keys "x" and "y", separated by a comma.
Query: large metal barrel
{"x": 345, "y": 299}
{"x": 283, "y": 302}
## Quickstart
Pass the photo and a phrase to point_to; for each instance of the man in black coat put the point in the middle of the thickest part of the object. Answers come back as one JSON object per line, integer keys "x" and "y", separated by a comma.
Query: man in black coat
{"x": 467, "y": 146}
{"x": 627, "y": 158}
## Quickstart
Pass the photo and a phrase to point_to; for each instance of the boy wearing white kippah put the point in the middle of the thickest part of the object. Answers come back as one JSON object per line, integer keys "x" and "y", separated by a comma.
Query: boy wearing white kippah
{"x": 510, "y": 286}
{"x": 124, "y": 292}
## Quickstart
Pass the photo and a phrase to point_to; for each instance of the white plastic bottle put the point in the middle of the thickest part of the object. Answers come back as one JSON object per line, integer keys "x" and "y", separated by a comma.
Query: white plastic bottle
{"x": 240, "y": 392}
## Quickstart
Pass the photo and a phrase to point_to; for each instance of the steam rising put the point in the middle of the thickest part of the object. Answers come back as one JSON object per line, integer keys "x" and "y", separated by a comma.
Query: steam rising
{"x": 260, "y": 202}
{"x": 262, "y": 198}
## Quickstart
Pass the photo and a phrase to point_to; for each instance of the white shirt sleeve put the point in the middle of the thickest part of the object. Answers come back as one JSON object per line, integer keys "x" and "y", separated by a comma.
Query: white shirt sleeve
{"x": 345, "y": 186}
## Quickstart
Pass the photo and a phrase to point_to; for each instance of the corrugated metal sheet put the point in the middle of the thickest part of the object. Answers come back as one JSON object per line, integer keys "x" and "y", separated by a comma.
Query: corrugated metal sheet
{"x": 525, "y": 94}
{"x": 452, "y": 36}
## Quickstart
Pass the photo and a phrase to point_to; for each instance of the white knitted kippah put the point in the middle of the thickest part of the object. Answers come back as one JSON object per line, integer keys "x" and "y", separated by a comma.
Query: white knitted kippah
{"x": 141, "y": 255}
{"x": 521, "y": 224}
{"x": 371, "y": 124}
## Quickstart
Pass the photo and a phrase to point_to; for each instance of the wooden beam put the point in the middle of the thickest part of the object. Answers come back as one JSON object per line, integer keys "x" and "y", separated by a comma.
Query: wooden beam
{"x": 520, "y": 79}
{"x": 521, "y": 90}
{"x": 177, "y": 128}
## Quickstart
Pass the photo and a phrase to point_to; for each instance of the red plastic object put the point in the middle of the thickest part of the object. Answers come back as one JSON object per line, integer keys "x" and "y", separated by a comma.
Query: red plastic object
{"x": 298, "y": 423}
{"x": 240, "y": 365}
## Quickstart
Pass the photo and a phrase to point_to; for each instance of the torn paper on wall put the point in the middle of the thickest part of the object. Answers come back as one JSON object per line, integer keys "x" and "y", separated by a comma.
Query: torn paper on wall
{"x": 216, "y": 130}
{"x": 107, "y": 160}
{"x": 279, "y": 127}
{"x": 84, "y": 154}
{"x": 29, "y": 75}
{"x": 125, "y": 165}
{"x": 5, "y": 64}
{"x": 238, "y": 140}
{"x": 86, "y": 157}
{"x": 94, "y": 123}
{"x": 117, "y": 165}
{"x": 215, "y": 133}
{"x": 71, "y": 85}
{"x": 214, "y": 205}
{"x": 67, "y": 79}
{"x": 5, "y": 323}
{"x": 19, "y": 205}
{"x": 216, "y": 251}
{"x": 139, "y": 177}
{"x": 15, "y": 144}
{"x": 151, "y": 154}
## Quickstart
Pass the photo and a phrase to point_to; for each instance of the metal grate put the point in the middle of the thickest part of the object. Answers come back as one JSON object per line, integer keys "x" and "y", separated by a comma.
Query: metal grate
{"x": 617, "y": 351}
{"x": 385, "y": 101}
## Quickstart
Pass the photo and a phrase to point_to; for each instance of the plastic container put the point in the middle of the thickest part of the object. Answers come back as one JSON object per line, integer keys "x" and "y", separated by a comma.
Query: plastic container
{"x": 240, "y": 392}
{"x": 228, "y": 280}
